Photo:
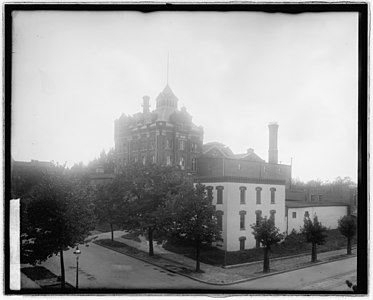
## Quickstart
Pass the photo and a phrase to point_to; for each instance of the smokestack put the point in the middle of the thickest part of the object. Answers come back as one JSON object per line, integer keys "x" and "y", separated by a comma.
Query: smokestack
{"x": 145, "y": 105}
{"x": 272, "y": 151}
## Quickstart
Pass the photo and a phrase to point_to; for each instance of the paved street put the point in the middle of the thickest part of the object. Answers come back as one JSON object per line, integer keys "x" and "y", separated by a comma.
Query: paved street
{"x": 329, "y": 276}
{"x": 104, "y": 268}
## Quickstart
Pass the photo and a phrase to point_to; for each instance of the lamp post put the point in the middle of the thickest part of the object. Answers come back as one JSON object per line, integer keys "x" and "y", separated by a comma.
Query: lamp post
{"x": 77, "y": 252}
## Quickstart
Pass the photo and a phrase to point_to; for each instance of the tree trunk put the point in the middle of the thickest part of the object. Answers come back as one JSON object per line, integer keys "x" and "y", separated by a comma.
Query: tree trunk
{"x": 349, "y": 246}
{"x": 314, "y": 252}
{"x": 62, "y": 270}
{"x": 266, "y": 260}
{"x": 112, "y": 231}
{"x": 198, "y": 252}
{"x": 150, "y": 238}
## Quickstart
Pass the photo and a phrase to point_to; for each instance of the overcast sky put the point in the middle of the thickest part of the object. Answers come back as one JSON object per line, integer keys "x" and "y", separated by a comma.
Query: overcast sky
{"x": 74, "y": 73}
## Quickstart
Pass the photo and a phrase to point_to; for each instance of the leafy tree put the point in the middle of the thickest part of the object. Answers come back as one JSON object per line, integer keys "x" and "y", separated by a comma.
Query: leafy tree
{"x": 110, "y": 204}
{"x": 268, "y": 234}
{"x": 59, "y": 215}
{"x": 347, "y": 227}
{"x": 190, "y": 216}
{"x": 145, "y": 189}
{"x": 314, "y": 233}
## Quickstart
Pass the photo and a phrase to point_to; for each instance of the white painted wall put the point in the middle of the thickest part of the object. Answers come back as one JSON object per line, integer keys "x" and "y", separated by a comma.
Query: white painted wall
{"x": 327, "y": 215}
{"x": 231, "y": 207}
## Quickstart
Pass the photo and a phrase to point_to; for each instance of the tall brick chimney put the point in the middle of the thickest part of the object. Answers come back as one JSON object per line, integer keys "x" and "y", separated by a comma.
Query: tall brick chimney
{"x": 273, "y": 151}
{"x": 145, "y": 105}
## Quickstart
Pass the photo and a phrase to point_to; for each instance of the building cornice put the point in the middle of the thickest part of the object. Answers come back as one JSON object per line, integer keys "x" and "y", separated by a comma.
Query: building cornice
{"x": 236, "y": 179}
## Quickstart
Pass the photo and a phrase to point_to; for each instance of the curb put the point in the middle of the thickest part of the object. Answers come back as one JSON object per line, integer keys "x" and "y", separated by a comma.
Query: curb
{"x": 231, "y": 283}
{"x": 274, "y": 259}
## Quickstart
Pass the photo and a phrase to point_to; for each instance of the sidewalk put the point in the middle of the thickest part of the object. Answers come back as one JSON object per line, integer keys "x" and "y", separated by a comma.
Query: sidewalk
{"x": 217, "y": 275}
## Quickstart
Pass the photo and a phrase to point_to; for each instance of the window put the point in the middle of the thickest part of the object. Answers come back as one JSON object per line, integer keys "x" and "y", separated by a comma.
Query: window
{"x": 220, "y": 194}
{"x": 143, "y": 160}
{"x": 168, "y": 160}
{"x": 182, "y": 145}
{"x": 182, "y": 163}
{"x": 153, "y": 159}
{"x": 273, "y": 190}
{"x": 169, "y": 144}
{"x": 242, "y": 240}
{"x": 258, "y": 195}
{"x": 135, "y": 159}
{"x": 194, "y": 164}
{"x": 209, "y": 192}
{"x": 242, "y": 219}
{"x": 258, "y": 214}
{"x": 313, "y": 198}
{"x": 306, "y": 214}
{"x": 272, "y": 217}
{"x": 219, "y": 217}
{"x": 294, "y": 215}
{"x": 242, "y": 195}
{"x": 320, "y": 198}
{"x": 193, "y": 147}
{"x": 239, "y": 166}
{"x": 152, "y": 145}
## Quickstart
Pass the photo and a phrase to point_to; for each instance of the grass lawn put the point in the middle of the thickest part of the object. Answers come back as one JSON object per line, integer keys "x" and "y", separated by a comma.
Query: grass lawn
{"x": 105, "y": 227}
{"x": 292, "y": 245}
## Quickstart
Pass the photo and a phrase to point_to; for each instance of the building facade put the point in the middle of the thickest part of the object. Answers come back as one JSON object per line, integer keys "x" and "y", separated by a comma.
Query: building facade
{"x": 327, "y": 213}
{"x": 165, "y": 136}
{"x": 244, "y": 188}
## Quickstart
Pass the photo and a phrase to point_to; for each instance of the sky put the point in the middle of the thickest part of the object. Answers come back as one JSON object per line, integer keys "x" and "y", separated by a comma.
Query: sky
{"x": 74, "y": 73}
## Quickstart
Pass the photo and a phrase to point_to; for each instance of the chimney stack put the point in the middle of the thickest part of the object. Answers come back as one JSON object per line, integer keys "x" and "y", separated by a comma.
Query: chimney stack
{"x": 145, "y": 105}
{"x": 273, "y": 151}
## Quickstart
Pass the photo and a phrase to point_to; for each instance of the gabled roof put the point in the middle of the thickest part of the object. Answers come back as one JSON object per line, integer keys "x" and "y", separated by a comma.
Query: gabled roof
{"x": 217, "y": 147}
{"x": 225, "y": 152}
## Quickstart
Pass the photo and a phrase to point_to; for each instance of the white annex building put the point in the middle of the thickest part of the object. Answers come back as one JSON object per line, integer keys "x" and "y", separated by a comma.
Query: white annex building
{"x": 244, "y": 188}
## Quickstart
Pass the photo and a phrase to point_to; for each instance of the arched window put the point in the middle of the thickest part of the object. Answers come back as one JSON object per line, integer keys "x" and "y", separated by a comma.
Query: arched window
{"x": 273, "y": 190}
{"x": 219, "y": 216}
{"x": 242, "y": 219}
{"x": 258, "y": 195}
{"x": 220, "y": 194}
{"x": 242, "y": 195}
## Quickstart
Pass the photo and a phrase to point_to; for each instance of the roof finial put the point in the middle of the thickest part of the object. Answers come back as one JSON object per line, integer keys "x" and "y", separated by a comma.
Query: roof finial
{"x": 168, "y": 60}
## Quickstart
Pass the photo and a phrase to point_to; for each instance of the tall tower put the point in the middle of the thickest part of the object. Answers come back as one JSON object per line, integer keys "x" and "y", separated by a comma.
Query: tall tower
{"x": 273, "y": 151}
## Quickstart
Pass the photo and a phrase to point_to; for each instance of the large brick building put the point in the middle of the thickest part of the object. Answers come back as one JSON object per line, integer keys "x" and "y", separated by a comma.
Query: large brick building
{"x": 166, "y": 135}
{"x": 243, "y": 187}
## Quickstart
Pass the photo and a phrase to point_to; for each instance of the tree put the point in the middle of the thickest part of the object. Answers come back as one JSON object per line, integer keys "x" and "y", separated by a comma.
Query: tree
{"x": 314, "y": 233}
{"x": 347, "y": 227}
{"x": 110, "y": 204}
{"x": 145, "y": 189}
{"x": 190, "y": 216}
{"x": 268, "y": 234}
{"x": 59, "y": 215}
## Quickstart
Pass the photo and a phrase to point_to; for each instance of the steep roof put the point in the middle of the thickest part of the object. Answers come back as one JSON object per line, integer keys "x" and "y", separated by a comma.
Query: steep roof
{"x": 214, "y": 148}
